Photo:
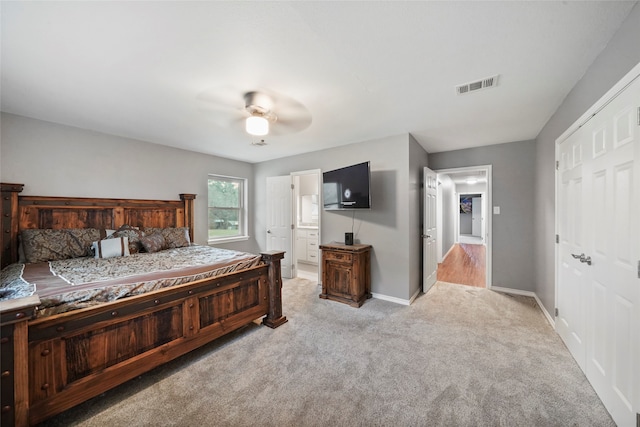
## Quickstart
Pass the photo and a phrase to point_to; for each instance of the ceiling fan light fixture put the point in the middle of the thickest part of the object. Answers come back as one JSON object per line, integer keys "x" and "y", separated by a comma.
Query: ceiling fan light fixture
{"x": 257, "y": 125}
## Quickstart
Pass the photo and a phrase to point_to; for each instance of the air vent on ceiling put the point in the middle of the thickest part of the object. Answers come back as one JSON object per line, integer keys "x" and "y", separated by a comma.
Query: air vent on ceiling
{"x": 477, "y": 85}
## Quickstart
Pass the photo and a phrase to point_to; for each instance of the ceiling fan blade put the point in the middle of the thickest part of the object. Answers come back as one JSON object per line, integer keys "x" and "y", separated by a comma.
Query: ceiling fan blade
{"x": 285, "y": 127}
{"x": 229, "y": 107}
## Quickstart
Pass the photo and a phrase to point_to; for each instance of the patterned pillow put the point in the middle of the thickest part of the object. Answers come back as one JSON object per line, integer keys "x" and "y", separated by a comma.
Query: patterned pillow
{"x": 51, "y": 245}
{"x": 174, "y": 237}
{"x": 153, "y": 242}
{"x": 134, "y": 235}
{"x": 111, "y": 248}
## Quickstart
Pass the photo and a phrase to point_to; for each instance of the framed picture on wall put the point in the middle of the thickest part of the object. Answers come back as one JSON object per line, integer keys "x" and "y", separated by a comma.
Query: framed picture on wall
{"x": 465, "y": 204}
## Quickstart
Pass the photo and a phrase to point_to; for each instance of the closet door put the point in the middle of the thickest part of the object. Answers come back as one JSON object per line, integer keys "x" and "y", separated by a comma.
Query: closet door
{"x": 599, "y": 255}
{"x": 572, "y": 273}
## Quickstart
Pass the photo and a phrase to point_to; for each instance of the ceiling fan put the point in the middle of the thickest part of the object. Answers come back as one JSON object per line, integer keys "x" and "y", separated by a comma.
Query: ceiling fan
{"x": 264, "y": 112}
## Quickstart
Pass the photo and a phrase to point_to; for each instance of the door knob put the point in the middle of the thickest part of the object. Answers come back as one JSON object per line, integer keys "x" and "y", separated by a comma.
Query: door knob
{"x": 269, "y": 231}
{"x": 583, "y": 258}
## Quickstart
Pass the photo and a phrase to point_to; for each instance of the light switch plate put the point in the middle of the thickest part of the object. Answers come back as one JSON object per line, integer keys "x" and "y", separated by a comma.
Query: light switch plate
{"x": 496, "y": 210}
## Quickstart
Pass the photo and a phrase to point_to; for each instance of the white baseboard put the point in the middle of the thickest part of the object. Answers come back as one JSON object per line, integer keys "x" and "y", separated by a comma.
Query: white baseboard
{"x": 394, "y": 299}
{"x": 415, "y": 295}
{"x": 527, "y": 294}
{"x": 551, "y": 320}
{"x": 448, "y": 252}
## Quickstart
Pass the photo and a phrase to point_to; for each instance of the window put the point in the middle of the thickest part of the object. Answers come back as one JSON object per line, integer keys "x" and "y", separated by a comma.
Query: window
{"x": 227, "y": 212}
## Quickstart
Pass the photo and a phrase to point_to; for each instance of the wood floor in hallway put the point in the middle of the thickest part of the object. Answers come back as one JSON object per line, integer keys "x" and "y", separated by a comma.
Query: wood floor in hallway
{"x": 465, "y": 265}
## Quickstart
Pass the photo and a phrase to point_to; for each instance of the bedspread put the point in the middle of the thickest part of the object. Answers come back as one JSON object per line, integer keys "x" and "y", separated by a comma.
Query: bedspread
{"x": 84, "y": 282}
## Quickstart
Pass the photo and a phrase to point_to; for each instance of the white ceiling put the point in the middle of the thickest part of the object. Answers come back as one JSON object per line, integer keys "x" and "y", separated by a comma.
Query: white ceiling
{"x": 461, "y": 177}
{"x": 363, "y": 70}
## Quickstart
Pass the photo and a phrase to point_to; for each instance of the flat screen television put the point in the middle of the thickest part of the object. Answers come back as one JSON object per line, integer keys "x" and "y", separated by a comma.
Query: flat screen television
{"x": 347, "y": 188}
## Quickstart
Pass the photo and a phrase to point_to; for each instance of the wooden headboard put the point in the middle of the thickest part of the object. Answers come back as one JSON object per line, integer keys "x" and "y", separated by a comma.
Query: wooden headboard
{"x": 23, "y": 212}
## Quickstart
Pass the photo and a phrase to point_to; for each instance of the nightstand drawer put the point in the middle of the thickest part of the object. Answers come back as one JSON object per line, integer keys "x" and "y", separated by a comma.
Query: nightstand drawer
{"x": 337, "y": 256}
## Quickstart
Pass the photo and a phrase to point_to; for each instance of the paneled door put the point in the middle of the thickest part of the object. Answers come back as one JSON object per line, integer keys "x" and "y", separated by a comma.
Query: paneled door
{"x": 599, "y": 252}
{"x": 279, "y": 222}
{"x": 476, "y": 217}
{"x": 429, "y": 256}
{"x": 571, "y": 228}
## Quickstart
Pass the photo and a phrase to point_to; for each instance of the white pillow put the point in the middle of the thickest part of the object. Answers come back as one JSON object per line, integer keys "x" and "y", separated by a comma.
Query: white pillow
{"x": 110, "y": 248}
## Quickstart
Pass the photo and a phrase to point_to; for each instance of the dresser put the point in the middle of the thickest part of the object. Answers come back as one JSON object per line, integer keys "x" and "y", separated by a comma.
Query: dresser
{"x": 346, "y": 273}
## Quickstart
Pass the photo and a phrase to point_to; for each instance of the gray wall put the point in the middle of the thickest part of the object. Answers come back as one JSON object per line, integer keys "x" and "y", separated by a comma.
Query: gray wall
{"x": 446, "y": 199}
{"x": 387, "y": 226}
{"x": 57, "y": 160}
{"x": 619, "y": 57}
{"x": 513, "y": 190}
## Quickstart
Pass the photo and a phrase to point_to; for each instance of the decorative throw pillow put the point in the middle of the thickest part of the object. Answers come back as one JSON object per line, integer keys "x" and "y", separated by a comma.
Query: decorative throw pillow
{"x": 133, "y": 234}
{"x": 153, "y": 242}
{"x": 110, "y": 248}
{"x": 51, "y": 245}
{"x": 173, "y": 237}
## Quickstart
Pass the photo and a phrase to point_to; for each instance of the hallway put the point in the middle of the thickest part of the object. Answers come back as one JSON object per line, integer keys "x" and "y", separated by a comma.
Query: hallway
{"x": 464, "y": 265}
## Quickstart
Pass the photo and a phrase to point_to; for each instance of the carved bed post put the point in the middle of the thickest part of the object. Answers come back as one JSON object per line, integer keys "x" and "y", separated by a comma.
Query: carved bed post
{"x": 9, "y": 223}
{"x": 188, "y": 212}
{"x": 274, "y": 317}
{"x": 14, "y": 364}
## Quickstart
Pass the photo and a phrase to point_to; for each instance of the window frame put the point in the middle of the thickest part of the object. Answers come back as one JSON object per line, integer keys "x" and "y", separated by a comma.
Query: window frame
{"x": 243, "y": 212}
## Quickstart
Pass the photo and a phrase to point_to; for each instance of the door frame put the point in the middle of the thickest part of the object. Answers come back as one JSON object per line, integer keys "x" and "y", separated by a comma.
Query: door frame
{"x": 483, "y": 196}
{"x": 488, "y": 195}
{"x": 317, "y": 172}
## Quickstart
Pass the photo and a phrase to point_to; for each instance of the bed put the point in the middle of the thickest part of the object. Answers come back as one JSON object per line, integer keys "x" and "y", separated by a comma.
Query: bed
{"x": 58, "y": 351}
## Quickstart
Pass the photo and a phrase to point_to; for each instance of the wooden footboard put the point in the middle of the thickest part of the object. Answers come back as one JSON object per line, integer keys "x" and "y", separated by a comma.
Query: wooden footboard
{"x": 74, "y": 356}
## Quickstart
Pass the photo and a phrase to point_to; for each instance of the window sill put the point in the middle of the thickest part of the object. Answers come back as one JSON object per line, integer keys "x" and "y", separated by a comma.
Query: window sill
{"x": 228, "y": 240}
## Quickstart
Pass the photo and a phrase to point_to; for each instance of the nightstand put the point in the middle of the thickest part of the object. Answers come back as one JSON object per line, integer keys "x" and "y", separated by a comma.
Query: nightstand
{"x": 346, "y": 273}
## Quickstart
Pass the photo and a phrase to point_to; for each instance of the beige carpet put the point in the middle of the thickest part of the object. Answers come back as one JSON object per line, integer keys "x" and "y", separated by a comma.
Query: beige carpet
{"x": 459, "y": 356}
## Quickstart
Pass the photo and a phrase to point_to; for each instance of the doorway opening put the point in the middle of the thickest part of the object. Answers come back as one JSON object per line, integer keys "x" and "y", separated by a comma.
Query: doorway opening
{"x": 306, "y": 223}
{"x": 464, "y": 234}
{"x": 471, "y": 218}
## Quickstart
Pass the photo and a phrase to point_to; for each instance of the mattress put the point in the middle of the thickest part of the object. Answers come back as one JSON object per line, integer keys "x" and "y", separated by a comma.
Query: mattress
{"x": 76, "y": 283}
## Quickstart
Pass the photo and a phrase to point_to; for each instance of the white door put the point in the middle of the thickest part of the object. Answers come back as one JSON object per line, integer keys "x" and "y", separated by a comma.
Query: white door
{"x": 476, "y": 216}
{"x": 429, "y": 257}
{"x": 599, "y": 291}
{"x": 279, "y": 222}
{"x": 571, "y": 272}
